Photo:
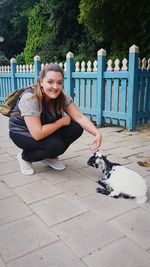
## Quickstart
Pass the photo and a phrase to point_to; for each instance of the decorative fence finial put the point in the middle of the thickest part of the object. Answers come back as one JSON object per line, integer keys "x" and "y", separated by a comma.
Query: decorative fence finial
{"x": 37, "y": 58}
{"x": 101, "y": 52}
{"x": 134, "y": 49}
{"x": 70, "y": 55}
{"x": 13, "y": 60}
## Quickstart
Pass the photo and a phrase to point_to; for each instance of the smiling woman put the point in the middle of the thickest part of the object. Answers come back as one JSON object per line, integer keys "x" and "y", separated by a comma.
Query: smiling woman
{"x": 41, "y": 130}
{"x": 52, "y": 84}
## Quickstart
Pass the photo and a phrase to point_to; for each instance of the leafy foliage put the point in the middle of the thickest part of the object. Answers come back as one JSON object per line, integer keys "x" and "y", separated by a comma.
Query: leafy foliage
{"x": 117, "y": 24}
{"x": 37, "y": 31}
{"x": 13, "y": 25}
{"x": 52, "y": 28}
{"x": 4, "y": 61}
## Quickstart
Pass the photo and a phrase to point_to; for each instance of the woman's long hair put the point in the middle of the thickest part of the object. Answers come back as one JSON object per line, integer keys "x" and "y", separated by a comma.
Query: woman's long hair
{"x": 59, "y": 102}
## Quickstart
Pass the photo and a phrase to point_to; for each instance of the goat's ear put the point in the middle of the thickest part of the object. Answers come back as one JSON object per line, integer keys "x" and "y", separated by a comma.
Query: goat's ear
{"x": 104, "y": 157}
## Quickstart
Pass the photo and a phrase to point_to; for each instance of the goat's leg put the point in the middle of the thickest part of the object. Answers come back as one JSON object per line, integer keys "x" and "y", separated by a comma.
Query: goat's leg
{"x": 111, "y": 193}
{"x": 103, "y": 191}
{"x": 126, "y": 196}
{"x": 102, "y": 184}
{"x": 106, "y": 186}
{"x": 115, "y": 194}
{"x": 107, "y": 192}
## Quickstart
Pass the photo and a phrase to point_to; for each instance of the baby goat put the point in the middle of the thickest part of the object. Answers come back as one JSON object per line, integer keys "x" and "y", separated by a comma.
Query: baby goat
{"x": 118, "y": 181}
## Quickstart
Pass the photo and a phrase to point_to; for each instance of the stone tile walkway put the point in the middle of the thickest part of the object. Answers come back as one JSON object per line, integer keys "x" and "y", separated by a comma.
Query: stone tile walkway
{"x": 57, "y": 219}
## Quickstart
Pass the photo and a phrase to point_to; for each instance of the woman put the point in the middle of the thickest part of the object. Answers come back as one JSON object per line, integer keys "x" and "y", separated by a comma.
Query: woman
{"x": 41, "y": 130}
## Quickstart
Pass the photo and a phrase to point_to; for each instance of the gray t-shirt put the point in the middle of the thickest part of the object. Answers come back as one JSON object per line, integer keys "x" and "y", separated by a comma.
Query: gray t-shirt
{"x": 29, "y": 105}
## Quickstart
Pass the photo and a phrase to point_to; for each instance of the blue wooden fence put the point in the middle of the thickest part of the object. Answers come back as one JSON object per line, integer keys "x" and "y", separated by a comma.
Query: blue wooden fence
{"x": 114, "y": 95}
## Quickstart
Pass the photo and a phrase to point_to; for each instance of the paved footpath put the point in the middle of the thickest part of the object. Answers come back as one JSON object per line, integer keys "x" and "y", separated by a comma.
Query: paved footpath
{"x": 56, "y": 218}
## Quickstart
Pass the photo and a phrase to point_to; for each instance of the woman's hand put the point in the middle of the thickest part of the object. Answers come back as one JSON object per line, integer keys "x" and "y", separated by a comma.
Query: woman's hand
{"x": 39, "y": 131}
{"x": 66, "y": 120}
{"x": 97, "y": 142}
{"x": 76, "y": 115}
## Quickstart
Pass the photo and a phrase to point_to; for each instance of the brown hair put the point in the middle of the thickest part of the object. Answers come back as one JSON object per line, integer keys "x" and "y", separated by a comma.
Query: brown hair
{"x": 60, "y": 100}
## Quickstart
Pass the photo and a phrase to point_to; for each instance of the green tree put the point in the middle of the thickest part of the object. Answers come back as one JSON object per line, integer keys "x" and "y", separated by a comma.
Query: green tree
{"x": 37, "y": 32}
{"x": 116, "y": 25}
{"x": 54, "y": 30}
{"x": 13, "y": 25}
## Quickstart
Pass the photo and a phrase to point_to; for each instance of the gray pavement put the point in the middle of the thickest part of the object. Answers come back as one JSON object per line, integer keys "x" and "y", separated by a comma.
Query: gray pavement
{"x": 56, "y": 218}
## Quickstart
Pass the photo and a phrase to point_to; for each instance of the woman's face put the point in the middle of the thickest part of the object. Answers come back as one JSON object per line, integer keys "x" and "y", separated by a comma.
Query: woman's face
{"x": 52, "y": 84}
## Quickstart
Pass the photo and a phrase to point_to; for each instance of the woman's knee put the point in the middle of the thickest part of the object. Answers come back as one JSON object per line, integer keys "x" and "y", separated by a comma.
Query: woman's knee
{"x": 80, "y": 130}
{"x": 77, "y": 130}
{"x": 55, "y": 149}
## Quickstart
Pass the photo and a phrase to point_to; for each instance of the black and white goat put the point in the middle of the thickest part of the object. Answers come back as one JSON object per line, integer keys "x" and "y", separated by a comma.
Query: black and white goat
{"x": 118, "y": 181}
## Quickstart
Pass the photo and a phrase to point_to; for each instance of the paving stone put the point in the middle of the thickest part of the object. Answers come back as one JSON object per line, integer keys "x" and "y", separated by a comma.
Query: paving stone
{"x": 2, "y": 264}
{"x": 12, "y": 209}
{"x": 80, "y": 146}
{"x": 147, "y": 180}
{"x": 56, "y": 255}
{"x": 80, "y": 187}
{"x": 115, "y": 139}
{"x": 17, "y": 179}
{"x": 5, "y": 158}
{"x": 108, "y": 129}
{"x": 76, "y": 163}
{"x": 86, "y": 233}
{"x": 116, "y": 158}
{"x": 39, "y": 166}
{"x": 1, "y": 151}
{"x": 140, "y": 148}
{"x": 24, "y": 236}
{"x": 90, "y": 172}
{"x": 58, "y": 209}
{"x": 86, "y": 139}
{"x": 107, "y": 207}
{"x": 147, "y": 204}
{"x": 58, "y": 177}
{"x": 135, "y": 225}
{"x": 122, "y": 152}
{"x": 146, "y": 154}
{"x": 36, "y": 191}
{"x": 136, "y": 167}
{"x": 3, "y": 130}
{"x": 123, "y": 253}
{"x": 138, "y": 157}
{"x": 92, "y": 227}
{"x": 5, "y": 138}
{"x": 8, "y": 167}
{"x": 5, "y": 191}
{"x": 13, "y": 150}
{"x": 69, "y": 153}
{"x": 6, "y": 143}
{"x": 108, "y": 146}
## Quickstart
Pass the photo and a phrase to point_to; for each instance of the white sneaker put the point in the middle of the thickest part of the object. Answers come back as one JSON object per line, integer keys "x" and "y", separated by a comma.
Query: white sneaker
{"x": 25, "y": 166}
{"x": 55, "y": 164}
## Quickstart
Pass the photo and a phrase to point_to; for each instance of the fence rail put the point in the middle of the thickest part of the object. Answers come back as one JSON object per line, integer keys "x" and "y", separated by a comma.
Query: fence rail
{"x": 108, "y": 93}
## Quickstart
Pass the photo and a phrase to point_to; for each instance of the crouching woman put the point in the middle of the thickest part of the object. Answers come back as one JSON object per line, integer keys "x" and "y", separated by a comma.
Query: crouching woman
{"x": 40, "y": 129}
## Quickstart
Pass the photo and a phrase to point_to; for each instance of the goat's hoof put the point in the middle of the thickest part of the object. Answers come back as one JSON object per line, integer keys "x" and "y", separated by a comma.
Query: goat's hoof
{"x": 100, "y": 190}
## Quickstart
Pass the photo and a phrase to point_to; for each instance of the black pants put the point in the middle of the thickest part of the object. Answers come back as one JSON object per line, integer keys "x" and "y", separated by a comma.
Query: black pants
{"x": 49, "y": 147}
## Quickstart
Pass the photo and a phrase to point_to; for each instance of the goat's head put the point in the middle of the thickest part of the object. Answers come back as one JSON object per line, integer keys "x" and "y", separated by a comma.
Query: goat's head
{"x": 98, "y": 161}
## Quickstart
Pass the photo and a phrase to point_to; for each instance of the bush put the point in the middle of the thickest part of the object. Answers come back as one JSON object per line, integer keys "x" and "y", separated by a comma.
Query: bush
{"x": 4, "y": 61}
{"x": 20, "y": 60}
